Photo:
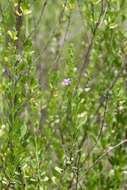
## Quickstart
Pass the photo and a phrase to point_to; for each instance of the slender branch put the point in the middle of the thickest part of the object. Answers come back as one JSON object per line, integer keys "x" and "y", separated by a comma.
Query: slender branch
{"x": 88, "y": 51}
{"x": 39, "y": 19}
{"x": 85, "y": 64}
{"x": 106, "y": 151}
{"x": 55, "y": 29}
{"x": 19, "y": 19}
{"x": 103, "y": 98}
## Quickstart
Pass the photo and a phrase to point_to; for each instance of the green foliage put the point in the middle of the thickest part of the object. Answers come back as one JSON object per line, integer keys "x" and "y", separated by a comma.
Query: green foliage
{"x": 63, "y": 94}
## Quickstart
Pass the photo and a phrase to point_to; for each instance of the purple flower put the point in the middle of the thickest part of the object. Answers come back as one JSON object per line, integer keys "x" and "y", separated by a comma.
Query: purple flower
{"x": 66, "y": 82}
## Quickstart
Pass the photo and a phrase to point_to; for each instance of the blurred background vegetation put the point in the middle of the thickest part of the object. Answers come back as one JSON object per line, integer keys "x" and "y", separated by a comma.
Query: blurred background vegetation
{"x": 55, "y": 134}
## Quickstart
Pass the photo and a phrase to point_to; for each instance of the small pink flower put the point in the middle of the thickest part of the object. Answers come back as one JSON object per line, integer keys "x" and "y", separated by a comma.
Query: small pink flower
{"x": 66, "y": 82}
